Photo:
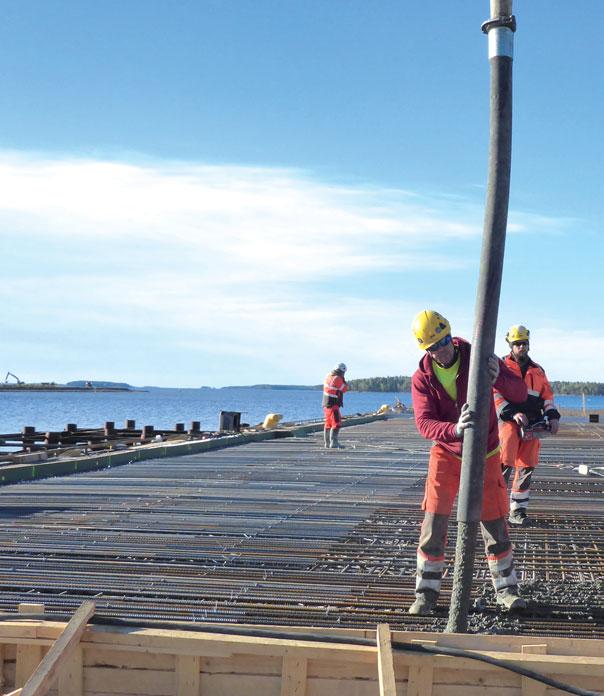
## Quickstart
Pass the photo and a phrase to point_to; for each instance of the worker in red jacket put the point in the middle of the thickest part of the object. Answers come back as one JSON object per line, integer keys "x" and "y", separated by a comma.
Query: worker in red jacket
{"x": 334, "y": 387}
{"x": 439, "y": 391}
{"x": 521, "y": 423}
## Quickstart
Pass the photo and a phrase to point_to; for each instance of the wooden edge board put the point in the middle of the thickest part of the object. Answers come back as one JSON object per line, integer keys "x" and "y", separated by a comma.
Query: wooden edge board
{"x": 44, "y": 675}
{"x": 385, "y": 661}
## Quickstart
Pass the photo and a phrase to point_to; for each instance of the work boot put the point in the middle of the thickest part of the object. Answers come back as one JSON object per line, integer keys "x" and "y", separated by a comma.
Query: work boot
{"x": 518, "y": 518}
{"x": 333, "y": 439}
{"x": 509, "y": 599}
{"x": 425, "y": 603}
{"x": 326, "y": 432}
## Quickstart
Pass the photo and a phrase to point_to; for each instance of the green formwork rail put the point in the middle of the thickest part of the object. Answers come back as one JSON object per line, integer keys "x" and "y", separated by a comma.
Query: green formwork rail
{"x": 15, "y": 473}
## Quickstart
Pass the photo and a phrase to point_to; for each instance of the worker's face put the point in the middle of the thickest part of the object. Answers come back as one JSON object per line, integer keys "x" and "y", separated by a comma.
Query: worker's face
{"x": 520, "y": 351}
{"x": 443, "y": 351}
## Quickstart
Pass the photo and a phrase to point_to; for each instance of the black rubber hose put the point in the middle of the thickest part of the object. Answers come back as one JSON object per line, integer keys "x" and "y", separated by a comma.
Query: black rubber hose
{"x": 457, "y": 652}
{"x": 397, "y": 646}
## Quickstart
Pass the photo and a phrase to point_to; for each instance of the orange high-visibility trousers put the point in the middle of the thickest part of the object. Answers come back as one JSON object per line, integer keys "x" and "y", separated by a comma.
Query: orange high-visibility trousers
{"x": 333, "y": 418}
{"x": 442, "y": 485}
{"x": 515, "y": 451}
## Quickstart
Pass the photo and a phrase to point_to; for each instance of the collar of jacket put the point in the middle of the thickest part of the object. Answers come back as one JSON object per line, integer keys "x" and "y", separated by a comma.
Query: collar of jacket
{"x": 510, "y": 362}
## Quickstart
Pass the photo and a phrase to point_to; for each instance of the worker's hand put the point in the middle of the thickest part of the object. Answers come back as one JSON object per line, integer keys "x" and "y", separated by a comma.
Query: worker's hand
{"x": 466, "y": 420}
{"x": 493, "y": 367}
{"x": 554, "y": 424}
{"x": 521, "y": 419}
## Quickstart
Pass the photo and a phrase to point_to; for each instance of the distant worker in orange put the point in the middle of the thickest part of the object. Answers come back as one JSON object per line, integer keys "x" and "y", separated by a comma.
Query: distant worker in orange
{"x": 439, "y": 392}
{"x": 334, "y": 387}
{"x": 522, "y": 422}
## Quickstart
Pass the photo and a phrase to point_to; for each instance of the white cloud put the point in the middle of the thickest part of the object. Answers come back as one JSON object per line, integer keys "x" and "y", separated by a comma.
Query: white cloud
{"x": 255, "y": 270}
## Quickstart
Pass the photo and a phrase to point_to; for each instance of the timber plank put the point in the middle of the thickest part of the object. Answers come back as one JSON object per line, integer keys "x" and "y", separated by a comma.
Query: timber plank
{"x": 71, "y": 675}
{"x": 421, "y": 679}
{"x": 293, "y": 675}
{"x": 134, "y": 682}
{"x": 28, "y": 658}
{"x": 385, "y": 661}
{"x": 42, "y": 678}
{"x": 530, "y": 687}
{"x": 187, "y": 675}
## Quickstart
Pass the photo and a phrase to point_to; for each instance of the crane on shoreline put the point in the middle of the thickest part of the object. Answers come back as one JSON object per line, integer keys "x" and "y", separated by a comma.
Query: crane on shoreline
{"x": 10, "y": 374}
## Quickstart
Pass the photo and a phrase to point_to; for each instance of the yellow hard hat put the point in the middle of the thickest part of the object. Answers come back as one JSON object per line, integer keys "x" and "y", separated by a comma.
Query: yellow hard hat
{"x": 429, "y": 327}
{"x": 517, "y": 333}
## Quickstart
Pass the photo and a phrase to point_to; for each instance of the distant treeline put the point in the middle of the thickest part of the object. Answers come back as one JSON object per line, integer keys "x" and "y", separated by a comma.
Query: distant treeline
{"x": 578, "y": 388}
{"x": 403, "y": 384}
{"x": 381, "y": 384}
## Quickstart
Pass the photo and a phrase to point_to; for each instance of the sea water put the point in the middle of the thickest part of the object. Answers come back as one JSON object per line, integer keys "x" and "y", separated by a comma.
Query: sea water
{"x": 163, "y": 408}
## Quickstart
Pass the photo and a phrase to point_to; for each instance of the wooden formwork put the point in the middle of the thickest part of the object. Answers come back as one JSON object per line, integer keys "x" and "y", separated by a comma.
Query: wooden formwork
{"x": 76, "y": 659}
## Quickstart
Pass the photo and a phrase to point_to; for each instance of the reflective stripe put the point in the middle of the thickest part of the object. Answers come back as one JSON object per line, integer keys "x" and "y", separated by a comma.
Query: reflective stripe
{"x": 429, "y": 573}
{"x": 430, "y": 565}
{"x": 519, "y": 503}
{"x": 501, "y": 582}
{"x": 502, "y": 571}
{"x": 422, "y": 584}
{"x": 533, "y": 392}
{"x": 500, "y": 402}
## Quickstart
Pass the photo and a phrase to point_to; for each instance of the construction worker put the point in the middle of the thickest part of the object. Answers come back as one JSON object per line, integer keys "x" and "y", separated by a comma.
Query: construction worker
{"x": 334, "y": 387}
{"x": 521, "y": 422}
{"x": 439, "y": 390}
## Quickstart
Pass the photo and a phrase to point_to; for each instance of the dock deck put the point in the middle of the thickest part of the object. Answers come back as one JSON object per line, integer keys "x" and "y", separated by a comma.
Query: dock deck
{"x": 284, "y": 532}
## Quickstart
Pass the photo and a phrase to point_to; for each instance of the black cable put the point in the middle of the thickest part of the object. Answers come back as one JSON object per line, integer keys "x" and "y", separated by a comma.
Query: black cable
{"x": 457, "y": 652}
{"x": 397, "y": 646}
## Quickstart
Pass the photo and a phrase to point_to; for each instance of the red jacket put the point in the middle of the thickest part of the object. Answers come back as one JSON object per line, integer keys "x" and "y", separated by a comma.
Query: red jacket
{"x": 436, "y": 414}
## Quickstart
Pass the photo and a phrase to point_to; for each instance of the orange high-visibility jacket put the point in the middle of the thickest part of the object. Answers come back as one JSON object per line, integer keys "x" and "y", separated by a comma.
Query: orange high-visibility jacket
{"x": 333, "y": 390}
{"x": 540, "y": 400}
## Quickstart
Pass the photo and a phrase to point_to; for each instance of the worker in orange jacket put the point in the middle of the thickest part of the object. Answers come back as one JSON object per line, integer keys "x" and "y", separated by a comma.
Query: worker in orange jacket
{"x": 521, "y": 423}
{"x": 439, "y": 390}
{"x": 334, "y": 387}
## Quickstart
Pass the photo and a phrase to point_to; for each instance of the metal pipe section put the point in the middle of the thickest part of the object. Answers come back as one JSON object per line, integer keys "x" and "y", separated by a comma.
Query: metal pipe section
{"x": 500, "y": 30}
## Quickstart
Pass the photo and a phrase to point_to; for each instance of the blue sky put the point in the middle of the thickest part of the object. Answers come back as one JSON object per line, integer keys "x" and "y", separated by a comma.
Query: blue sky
{"x": 239, "y": 192}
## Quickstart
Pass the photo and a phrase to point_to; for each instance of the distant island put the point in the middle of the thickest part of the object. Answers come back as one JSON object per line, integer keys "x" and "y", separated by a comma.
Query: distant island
{"x": 80, "y": 385}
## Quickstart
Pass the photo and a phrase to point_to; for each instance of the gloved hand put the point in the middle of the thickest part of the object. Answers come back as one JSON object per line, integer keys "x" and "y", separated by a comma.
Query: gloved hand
{"x": 466, "y": 420}
{"x": 554, "y": 424}
{"x": 521, "y": 419}
{"x": 493, "y": 367}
